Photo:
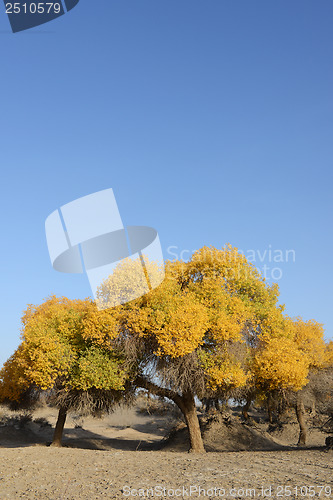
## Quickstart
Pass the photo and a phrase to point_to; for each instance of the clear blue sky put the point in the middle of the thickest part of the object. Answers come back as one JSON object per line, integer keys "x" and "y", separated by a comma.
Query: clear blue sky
{"x": 211, "y": 120}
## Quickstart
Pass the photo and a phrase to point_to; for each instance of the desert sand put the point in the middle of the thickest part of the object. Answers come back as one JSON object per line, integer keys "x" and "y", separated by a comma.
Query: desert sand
{"x": 124, "y": 455}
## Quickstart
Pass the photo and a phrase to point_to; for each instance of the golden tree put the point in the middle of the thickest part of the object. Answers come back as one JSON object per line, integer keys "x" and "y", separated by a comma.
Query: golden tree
{"x": 193, "y": 334}
{"x": 289, "y": 350}
{"x": 66, "y": 351}
{"x": 212, "y": 327}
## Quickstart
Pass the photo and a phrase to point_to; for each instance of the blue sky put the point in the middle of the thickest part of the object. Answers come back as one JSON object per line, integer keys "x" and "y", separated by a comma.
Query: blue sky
{"x": 211, "y": 120}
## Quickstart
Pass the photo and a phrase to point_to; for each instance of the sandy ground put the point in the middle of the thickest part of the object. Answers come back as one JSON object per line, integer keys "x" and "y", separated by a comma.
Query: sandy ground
{"x": 46, "y": 473}
{"x": 109, "y": 458}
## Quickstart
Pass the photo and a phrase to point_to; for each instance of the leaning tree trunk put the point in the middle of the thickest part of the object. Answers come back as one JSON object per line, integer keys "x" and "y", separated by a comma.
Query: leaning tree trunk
{"x": 217, "y": 404}
{"x": 300, "y": 413}
{"x": 246, "y": 407}
{"x": 187, "y": 406}
{"x": 57, "y": 436}
{"x": 208, "y": 404}
{"x": 270, "y": 408}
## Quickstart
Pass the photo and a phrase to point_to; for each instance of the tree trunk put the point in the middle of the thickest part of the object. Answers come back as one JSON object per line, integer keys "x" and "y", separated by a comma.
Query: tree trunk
{"x": 207, "y": 403}
{"x": 246, "y": 408}
{"x": 57, "y": 437}
{"x": 189, "y": 410}
{"x": 269, "y": 408}
{"x": 217, "y": 405}
{"x": 185, "y": 403}
{"x": 303, "y": 429}
{"x": 282, "y": 411}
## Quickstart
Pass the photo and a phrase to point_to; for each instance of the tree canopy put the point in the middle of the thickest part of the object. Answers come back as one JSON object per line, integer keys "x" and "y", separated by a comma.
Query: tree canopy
{"x": 66, "y": 351}
{"x": 213, "y": 326}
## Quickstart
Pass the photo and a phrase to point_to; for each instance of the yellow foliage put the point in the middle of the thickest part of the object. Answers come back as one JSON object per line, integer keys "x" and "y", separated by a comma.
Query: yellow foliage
{"x": 61, "y": 338}
{"x": 218, "y": 299}
{"x": 12, "y": 377}
{"x": 227, "y": 375}
{"x": 309, "y": 337}
{"x": 280, "y": 364}
{"x": 181, "y": 329}
{"x": 99, "y": 326}
{"x": 328, "y": 355}
{"x": 207, "y": 307}
{"x": 95, "y": 369}
{"x": 129, "y": 280}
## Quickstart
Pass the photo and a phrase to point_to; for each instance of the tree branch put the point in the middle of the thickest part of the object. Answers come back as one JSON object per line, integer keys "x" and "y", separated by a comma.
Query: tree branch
{"x": 159, "y": 391}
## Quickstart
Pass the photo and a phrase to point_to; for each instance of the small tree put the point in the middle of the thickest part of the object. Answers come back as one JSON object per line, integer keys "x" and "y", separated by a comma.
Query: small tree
{"x": 289, "y": 350}
{"x": 66, "y": 352}
{"x": 317, "y": 395}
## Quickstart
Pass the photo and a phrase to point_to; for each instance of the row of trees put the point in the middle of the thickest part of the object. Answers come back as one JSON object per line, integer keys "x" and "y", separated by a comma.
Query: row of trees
{"x": 212, "y": 329}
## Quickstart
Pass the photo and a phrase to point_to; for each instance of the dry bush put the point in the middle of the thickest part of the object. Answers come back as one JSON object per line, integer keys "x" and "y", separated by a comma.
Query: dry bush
{"x": 42, "y": 422}
{"x": 17, "y": 420}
